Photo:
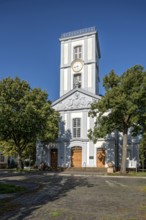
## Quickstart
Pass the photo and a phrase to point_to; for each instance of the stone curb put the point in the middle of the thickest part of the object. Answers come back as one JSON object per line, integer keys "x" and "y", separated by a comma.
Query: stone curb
{"x": 92, "y": 175}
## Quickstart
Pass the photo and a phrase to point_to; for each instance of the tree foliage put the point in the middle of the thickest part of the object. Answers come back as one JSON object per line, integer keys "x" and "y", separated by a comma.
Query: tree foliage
{"x": 142, "y": 150}
{"x": 25, "y": 116}
{"x": 122, "y": 107}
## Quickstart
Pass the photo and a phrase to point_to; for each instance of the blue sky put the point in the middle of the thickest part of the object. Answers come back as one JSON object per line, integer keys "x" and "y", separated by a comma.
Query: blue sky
{"x": 30, "y": 32}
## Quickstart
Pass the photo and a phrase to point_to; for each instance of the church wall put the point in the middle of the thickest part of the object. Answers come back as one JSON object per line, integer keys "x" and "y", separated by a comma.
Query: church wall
{"x": 61, "y": 158}
{"x": 89, "y": 75}
{"x": 61, "y": 82}
{"x": 88, "y": 71}
{"x": 86, "y": 77}
{"x": 90, "y": 49}
{"x": 88, "y": 159}
{"x": 84, "y": 128}
{"x": 94, "y": 51}
{"x": 65, "y": 52}
{"x": 76, "y": 104}
{"x": 65, "y": 78}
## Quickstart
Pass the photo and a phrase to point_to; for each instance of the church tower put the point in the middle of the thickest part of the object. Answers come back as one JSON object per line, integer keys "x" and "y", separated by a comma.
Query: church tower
{"x": 79, "y": 64}
{"x": 79, "y": 88}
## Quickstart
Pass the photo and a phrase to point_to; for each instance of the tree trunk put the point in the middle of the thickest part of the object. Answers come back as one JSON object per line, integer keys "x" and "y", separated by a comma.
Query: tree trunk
{"x": 124, "y": 151}
{"x": 20, "y": 161}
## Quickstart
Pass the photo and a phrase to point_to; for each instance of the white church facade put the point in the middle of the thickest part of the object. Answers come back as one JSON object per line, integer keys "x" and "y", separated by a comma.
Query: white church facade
{"x": 79, "y": 87}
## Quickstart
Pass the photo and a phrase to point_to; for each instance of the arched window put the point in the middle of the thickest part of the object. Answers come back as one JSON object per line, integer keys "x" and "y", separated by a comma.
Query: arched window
{"x": 77, "y": 52}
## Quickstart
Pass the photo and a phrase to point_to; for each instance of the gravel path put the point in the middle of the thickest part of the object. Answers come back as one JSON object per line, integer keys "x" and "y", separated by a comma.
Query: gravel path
{"x": 77, "y": 197}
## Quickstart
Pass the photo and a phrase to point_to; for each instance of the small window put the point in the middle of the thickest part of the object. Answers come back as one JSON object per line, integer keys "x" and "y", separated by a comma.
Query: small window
{"x": 2, "y": 158}
{"x": 77, "y": 81}
{"x": 78, "y": 52}
{"x": 76, "y": 127}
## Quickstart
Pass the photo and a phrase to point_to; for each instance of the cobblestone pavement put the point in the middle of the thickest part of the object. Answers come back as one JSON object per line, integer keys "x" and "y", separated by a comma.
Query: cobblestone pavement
{"x": 76, "y": 198}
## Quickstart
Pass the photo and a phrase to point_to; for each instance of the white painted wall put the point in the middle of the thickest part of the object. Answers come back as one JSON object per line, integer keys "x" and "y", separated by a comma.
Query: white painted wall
{"x": 65, "y": 52}
{"x": 88, "y": 123}
{"x": 76, "y": 115}
{"x": 89, "y": 49}
{"x": 65, "y": 120}
{"x": 87, "y": 165}
{"x": 65, "y": 79}
{"x": 89, "y": 76}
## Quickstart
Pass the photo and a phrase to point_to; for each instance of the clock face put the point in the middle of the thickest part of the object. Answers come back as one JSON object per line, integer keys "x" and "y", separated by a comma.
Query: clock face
{"x": 77, "y": 65}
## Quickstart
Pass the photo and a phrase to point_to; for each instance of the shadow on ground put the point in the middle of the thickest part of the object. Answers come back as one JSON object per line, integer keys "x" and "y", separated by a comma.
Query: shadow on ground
{"x": 50, "y": 188}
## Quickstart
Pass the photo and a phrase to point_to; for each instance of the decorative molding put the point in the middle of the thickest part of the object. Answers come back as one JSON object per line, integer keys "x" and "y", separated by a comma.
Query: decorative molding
{"x": 78, "y": 32}
{"x": 78, "y": 101}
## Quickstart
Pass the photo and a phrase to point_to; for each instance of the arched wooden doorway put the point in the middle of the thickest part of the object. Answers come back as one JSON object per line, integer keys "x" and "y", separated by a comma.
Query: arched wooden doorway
{"x": 54, "y": 158}
{"x": 76, "y": 157}
{"x": 100, "y": 158}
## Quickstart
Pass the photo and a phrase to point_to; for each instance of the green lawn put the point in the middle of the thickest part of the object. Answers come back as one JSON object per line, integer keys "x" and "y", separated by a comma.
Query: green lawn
{"x": 10, "y": 188}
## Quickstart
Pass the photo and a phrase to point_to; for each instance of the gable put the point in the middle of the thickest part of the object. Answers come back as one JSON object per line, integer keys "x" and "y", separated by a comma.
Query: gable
{"x": 78, "y": 99}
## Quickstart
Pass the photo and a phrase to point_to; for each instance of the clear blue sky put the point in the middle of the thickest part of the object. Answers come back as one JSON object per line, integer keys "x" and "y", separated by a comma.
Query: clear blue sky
{"x": 30, "y": 32}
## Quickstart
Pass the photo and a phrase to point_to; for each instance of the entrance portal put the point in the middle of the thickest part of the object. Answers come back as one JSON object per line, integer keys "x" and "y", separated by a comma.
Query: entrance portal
{"x": 54, "y": 158}
{"x": 76, "y": 157}
{"x": 100, "y": 158}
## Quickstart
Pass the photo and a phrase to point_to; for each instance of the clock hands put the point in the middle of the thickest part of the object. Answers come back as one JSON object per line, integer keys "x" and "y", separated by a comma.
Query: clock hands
{"x": 77, "y": 65}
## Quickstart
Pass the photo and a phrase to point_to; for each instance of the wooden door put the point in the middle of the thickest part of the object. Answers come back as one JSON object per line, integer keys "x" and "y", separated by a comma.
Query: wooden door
{"x": 54, "y": 158}
{"x": 100, "y": 158}
{"x": 76, "y": 157}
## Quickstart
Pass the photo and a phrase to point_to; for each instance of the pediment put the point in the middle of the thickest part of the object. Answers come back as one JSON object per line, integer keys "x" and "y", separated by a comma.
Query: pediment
{"x": 77, "y": 99}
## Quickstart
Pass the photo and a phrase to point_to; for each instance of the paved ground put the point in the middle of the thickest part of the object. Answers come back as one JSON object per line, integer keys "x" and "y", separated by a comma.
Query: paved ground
{"x": 76, "y": 198}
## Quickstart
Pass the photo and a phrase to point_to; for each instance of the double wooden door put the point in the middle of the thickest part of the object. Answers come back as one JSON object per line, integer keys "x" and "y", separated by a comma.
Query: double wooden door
{"x": 76, "y": 157}
{"x": 100, "y": 158}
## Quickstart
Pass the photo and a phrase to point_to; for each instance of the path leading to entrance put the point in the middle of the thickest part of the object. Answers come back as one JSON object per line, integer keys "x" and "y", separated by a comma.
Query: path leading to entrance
{"x": 78, "y": 197}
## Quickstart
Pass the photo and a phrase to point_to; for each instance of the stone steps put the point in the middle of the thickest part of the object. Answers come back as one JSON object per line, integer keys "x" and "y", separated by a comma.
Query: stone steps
{"x": 87, "y": 169}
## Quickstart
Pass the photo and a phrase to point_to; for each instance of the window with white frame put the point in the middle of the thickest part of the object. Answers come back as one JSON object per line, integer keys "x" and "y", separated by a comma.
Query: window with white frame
{"x": 77, "y": 81}
{"x": 78, "y": 52}
{"x": 76, "y": 127}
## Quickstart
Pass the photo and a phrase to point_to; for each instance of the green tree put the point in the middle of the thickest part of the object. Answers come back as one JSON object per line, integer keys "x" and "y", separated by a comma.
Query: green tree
{"x": 26, "y": 115}
{"x": 142, "y": 150}
{"x": 123, "y": 106}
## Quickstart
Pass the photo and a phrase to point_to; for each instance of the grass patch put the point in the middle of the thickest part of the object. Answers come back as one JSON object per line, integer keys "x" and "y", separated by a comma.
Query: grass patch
{"x": 10, "y": 188}
{"x": 55, "y": 213}
{"x": 137, "y": 174}
{"x": 143, "y": 188}
{"x": 143, "y": 207}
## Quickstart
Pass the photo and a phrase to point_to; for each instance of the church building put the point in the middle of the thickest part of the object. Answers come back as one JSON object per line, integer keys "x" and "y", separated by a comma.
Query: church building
{"x": 79, "y": 87}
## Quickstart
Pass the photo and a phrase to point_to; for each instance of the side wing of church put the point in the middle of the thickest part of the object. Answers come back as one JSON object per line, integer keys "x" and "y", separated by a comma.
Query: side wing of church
{"x": 79, "y": 87}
